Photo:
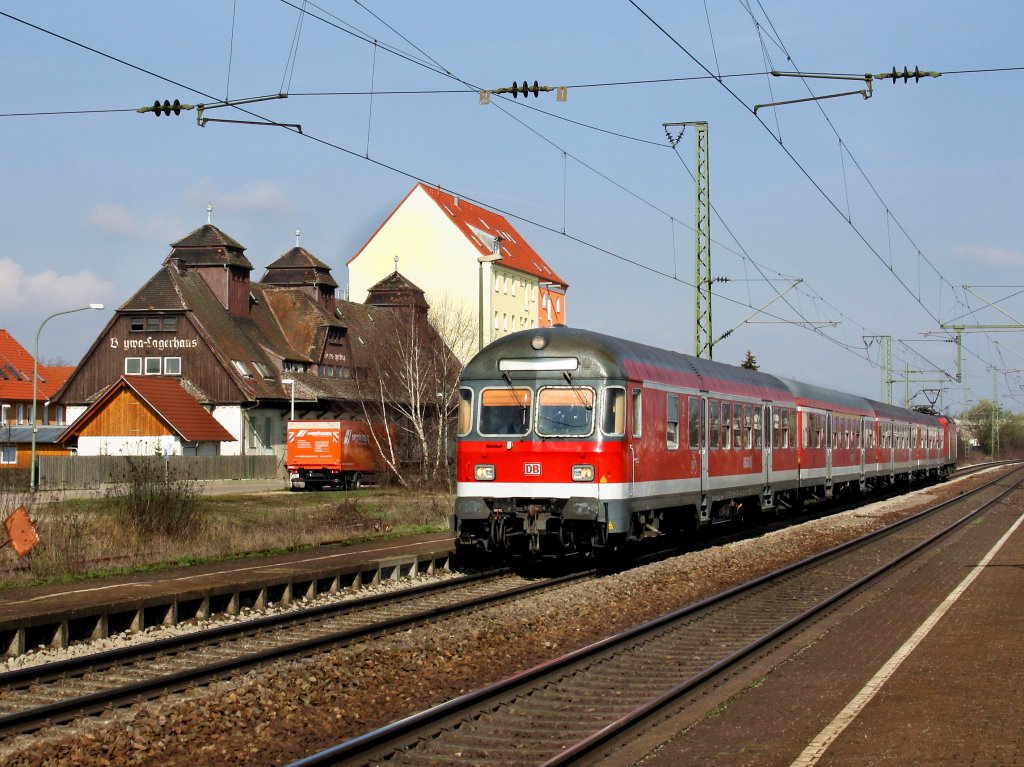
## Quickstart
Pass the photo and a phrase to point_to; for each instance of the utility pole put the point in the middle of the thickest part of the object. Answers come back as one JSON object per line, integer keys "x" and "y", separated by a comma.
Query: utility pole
{"x": 994, "y": 436}
{"x": 702, "y": 336}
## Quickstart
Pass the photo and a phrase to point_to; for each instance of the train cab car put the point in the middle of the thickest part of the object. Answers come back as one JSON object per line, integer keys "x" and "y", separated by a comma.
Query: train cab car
{"x": 572, "y": 441}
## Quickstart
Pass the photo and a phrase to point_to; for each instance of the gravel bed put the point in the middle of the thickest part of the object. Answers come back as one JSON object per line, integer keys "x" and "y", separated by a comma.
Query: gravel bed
{"x": 281, "y": 712}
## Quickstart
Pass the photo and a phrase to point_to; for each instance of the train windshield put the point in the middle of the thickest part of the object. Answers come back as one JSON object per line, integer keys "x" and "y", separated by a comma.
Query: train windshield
{"x": 505, "y": 412}
{"x": 565, "y": 411}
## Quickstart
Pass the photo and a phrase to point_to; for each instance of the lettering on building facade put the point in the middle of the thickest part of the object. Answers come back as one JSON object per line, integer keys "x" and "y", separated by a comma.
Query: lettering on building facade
{"x": 159, "y": 344}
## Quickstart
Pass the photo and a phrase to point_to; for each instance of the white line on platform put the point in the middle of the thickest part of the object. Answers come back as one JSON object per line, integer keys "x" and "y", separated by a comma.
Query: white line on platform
{"x": 817, "y": 747}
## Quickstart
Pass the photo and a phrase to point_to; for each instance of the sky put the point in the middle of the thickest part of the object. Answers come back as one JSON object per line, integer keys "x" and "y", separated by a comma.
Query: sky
{"x": 835, "y": 222}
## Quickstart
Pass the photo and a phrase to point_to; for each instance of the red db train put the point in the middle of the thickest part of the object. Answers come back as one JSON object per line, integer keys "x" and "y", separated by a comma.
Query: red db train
{"x": 575, "y": 442}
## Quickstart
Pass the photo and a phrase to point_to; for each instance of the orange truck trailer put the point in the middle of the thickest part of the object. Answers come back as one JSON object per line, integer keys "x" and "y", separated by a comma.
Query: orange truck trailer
{"x": 342, "y": 454}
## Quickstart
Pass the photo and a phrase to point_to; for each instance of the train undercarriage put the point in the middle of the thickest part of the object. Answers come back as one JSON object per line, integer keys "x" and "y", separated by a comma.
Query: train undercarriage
{"x": 539, "y": 528}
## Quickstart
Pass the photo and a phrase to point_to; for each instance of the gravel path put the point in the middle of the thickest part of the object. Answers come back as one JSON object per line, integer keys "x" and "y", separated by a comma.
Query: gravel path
{"x": 287, "y": 710}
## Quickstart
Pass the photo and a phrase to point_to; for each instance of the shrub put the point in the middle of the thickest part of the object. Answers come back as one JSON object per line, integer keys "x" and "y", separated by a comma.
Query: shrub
{"x": 149, "y": 500}
{"x": 62, "y": 545}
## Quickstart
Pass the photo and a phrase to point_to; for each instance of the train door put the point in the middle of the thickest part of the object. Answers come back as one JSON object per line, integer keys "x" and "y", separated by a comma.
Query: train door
{"x": 705, "y": 504}
{"x": 768, "y": 496}
{"x": 828, "y": 455}
{"x": 635, "y": 436}
{"x": 862, "y": 444}
{"x": 703, "y": 445}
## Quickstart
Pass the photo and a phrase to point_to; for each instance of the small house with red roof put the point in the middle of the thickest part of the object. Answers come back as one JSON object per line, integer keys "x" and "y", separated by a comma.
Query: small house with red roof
{"x": 146, "y": 415}
{"x": 468, "y": 260}
{"x": 16, "y": 366}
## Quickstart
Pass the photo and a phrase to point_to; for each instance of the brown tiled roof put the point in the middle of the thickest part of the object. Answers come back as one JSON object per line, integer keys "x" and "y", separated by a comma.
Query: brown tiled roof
{"x": 159, "y": 293}
{"x": 299, "y": 267}
{"x": 285, "y": 324}
{"x": 169, "y": 401}
{"x": 291, "y": 322}
{"x": 396, "y": 290}
{"x": 208, "y": 246}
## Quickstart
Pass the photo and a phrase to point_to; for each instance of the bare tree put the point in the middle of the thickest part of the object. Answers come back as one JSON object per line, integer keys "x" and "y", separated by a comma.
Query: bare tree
{"x": 412, "y": 382}
{"x": 457, "y": 327}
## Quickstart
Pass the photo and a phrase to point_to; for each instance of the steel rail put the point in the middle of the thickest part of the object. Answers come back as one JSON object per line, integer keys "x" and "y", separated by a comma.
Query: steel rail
{"x": 619, "y": 726}
{"x": 376, "y": 742}
{"x": 67, "y": 709}
{"x": 79, "y": 665}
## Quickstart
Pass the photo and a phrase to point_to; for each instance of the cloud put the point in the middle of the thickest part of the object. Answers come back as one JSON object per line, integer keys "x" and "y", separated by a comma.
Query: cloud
{"x": 118, "y": 221}
{"x": 992, "y": 256}
{"x": 48, "y": 291}
{"x": 260, "y": 197}
{"x": 113, "y": 219}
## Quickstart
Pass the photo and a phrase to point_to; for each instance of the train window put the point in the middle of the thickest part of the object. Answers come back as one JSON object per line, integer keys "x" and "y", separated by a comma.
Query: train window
{"x": 695, "y": 421}
{"x": 715, "y": 420}
{"x": 565, "y": 411}
{"x": 637, "y": 403}
{"x": 778, "y": 417}
{"x": 737, "y": 425}
{"x": 757, "y": 426}
{"x": 672, "y": 421}
{"x": 614, "y": 412}
{"x": 505, "y": 412}
{"x": 748, "y": 427}
{"x": 726, "y": 425}
{"x": 465, "y": 411}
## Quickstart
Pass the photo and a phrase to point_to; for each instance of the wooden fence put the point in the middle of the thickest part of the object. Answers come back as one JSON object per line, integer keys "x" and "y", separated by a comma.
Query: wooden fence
{"x": 78, "y": 471}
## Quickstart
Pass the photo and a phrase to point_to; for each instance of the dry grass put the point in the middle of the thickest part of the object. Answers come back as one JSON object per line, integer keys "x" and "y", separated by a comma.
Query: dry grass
{"x": 93, "y": 537}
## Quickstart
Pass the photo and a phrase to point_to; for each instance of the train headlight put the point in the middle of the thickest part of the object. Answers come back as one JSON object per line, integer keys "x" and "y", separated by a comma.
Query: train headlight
{"x": 483, "y": 472}
{"x": 583, "y": 472}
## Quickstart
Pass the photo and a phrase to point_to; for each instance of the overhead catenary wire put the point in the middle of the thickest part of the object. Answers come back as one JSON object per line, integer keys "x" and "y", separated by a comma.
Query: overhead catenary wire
{"x": 800, "y": 166}
{"x": 584, "y": 242}
{"x": 397, "y": 170}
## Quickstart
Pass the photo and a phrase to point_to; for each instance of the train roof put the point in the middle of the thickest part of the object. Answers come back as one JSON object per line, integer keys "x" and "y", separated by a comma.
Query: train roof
{"x": 895, "y": 412}
{"x": 819, "y": 396}
{"x": 595, "y": 355}
{"x": 605, "y": 356}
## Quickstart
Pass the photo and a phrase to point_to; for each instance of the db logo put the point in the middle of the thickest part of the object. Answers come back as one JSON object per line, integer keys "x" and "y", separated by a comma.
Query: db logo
{"x": 531, "y": 469}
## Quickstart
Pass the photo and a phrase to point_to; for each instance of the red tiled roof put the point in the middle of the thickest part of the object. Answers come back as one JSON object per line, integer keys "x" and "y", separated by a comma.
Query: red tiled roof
{"x": 171, "y": 403}
{"x": 16, "y": 373}
{"x": 481, "y": 226}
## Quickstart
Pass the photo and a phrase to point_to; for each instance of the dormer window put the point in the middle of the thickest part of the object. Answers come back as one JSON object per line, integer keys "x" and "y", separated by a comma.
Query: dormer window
{"x": 263, "y": 370}
{"x": 242, "y": 368}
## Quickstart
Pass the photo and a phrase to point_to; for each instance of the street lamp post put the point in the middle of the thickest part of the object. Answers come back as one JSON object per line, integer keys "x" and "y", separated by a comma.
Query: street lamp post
{"x": 292, "y": 382}
{"x": 482, "y": 315}
{"x": 35, "y": 388}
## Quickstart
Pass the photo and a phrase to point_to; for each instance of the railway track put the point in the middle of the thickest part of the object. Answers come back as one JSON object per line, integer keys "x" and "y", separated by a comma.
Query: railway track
{"x": 562, "y": 710}
{"x": 61, "y": 691}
